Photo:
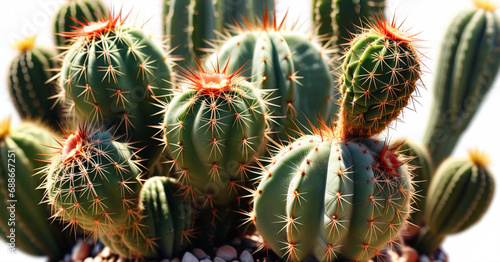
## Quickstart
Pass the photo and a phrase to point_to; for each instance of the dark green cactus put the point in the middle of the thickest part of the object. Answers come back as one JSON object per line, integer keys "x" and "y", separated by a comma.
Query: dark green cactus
{"x": 215, "y": 129}
{"x": 115, "y": 75}
{"x": 93, "y": 182}
{"x": 72, "y": 11}
{"x": 332, "y": 199}
{"x": 31, "y": 86}
{"x": 379, "y": 76}
{"x": 22, "y": 152}
{"x": 459, "y": 195}
{"x": 279, "y": 60}
{"x": 468, "y": 62}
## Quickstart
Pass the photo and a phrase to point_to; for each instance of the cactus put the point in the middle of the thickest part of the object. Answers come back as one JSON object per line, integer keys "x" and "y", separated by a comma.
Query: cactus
{"x": 31, "y": 86}
{"x": 114, "y": 74}
{"x": 166, "y": 226}
{"x": 215, "y": 129}
{"x": 280, "y": 60}
{"x": 422, "y": 168}
{"x": 93, "y": 182}
{"x": 380, "y": 72}
{"x": 460, "y": 193}
{"x": 327, "y": 198}
{"x": 22, "y": 150}
{"x": 72, "y": 11}
{"x": 468, "y": 62}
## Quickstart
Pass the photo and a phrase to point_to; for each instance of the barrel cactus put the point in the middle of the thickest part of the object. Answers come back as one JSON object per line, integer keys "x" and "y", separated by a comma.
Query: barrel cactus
{"x": 332, "y": 199}
{"x": 31, "y": 84}
{"x": 459, "y": 195}
{"x": 23, "y": 150}
{"x": 379, "y": 76}
{"x": 71, "y": 12}
{"x": 468, "y": 62}
{"x": 114, "y": 75}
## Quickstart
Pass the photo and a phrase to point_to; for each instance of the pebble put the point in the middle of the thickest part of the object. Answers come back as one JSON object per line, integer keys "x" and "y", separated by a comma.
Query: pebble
{"x": 246, "y": 257}
{"x": 89, "y": 259}
{"x": 176, "y": 260}
{"x": 227, "y": 252}
{"x": 409, "y": 254}
{"x": 236, "y": 241}
{"x": 200, "y": 254}
{"x": 97, "y": 259}
{"x": 206, "y": 260}
{"x": 81, "y": 250}
{"x": 165, "y": 260}
{"x": 189, "y": 257}
{"x": 106, "y": 252}
{"x": 218, "y": 259}
{"x": 424, "y": 258}
{"x": 67, "y": 258}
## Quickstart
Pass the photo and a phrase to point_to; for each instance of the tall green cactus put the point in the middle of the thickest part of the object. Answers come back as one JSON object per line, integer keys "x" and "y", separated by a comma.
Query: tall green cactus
{"x": 115, "y": 75}
{"x": 459, "y": 195}
{"x": 379, "y": 76}
{"x": 31, "y": 86}
{"x": 279, "y": 60}
{"x": 72, "y": 11}
{"x": 332, "y": 199}
{"x": 215, "y": 129}
{"x": 22, "y": 152}
{"x": 468, "y": 62}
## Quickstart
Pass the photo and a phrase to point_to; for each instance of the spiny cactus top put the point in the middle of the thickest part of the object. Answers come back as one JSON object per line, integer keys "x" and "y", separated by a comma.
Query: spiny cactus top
{"x": 93, "y": 182}
{"x": 215, "y": 129}
{"x": 379, "y": 75}
{"x": 31, "y": 86}
{"x": 114, "y": 74}
{"x": 332, "y": 199}
{"x": 289, "y": 63}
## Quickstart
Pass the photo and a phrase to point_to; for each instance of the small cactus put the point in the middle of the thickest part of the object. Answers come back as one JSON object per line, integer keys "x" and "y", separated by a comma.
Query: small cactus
{"x": 459, "y": 195}
{"x": 332, "y": 199}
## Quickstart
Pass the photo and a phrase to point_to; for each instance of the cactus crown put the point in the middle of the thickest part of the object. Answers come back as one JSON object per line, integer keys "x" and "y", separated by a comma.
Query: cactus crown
{"x": 391, "y": 30}
{"x": 4, "y": 128}
{"x": 25, "y": 44}
{"x": 98, "y": 28}
{"x": 479, "y": 158}
{"x": 487, "y": 5}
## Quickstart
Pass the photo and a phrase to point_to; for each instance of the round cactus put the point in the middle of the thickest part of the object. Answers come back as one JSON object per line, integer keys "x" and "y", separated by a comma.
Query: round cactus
{"x": 71, "y": 12}
{"x": 279, "y": 60}
{"x": 31, "y": 86}
{"x": 332, "y": 199}
{"x": 468, "y": 62}
{"x": 379, "y": 75}
{"x": 215, "y": 129}
{"x": 459, "y": 195}
{"x": 93, "y": 182}
{"x": 22, "y": 152}
{"x": 115, "y": 75}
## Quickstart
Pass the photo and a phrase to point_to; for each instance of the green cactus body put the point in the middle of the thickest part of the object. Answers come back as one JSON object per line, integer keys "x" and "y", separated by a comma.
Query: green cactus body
{"x": 22, "y": 150}
{"x": 380, "y": 72}
{"x": 166, "y": 226}
{"x": 116, "y": 76}
{"x": 467, "y": 65}
{"x": 420, "y": 162}
{"x": 31, "y": 86}
{"x": 76, "y": 10}
{"x": 94, "y": 183}
{"x": 229, "y": 12}
{"x": 260, "y": 10}
{"x": 322, "y": 11}
{"x": 215, "y": 129}
{"x": 332, "y": 199}
{"x": 279, "y": 61}
{"x": 459, "y": 195}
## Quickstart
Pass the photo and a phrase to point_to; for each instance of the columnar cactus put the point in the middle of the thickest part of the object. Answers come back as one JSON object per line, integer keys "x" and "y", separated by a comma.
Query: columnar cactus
{"x": 22, "y": 152}
{"x": 93, "y": 182}
{"x": 72, "y": 11}
{"x": 332, "y": 199}
{"x": 379, "y": 76}
{"x": 114, "y": 74}
{"x": 468, "y": 62}
{"x": 215, "y": 129}
{"x": 460, "y": 193}
{"x": 31, "y": 86}
{"x": 280, "y": 60}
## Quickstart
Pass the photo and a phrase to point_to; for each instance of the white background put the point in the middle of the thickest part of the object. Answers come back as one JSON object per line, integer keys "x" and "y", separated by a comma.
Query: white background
{"x": 480, "y": 243}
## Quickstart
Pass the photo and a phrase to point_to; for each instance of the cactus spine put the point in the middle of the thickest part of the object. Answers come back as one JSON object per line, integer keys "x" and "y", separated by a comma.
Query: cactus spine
{"x": 114, "y": 74}
{"x": 332, "y": 199}
{"x": 30, "y": 83}
{"x": 468, "y": 62}
{"x": 72, "y": 11}
{"x": 460, "y": 193}
{"x": 380, "y": 72}
{"x": 22, "y": 150}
